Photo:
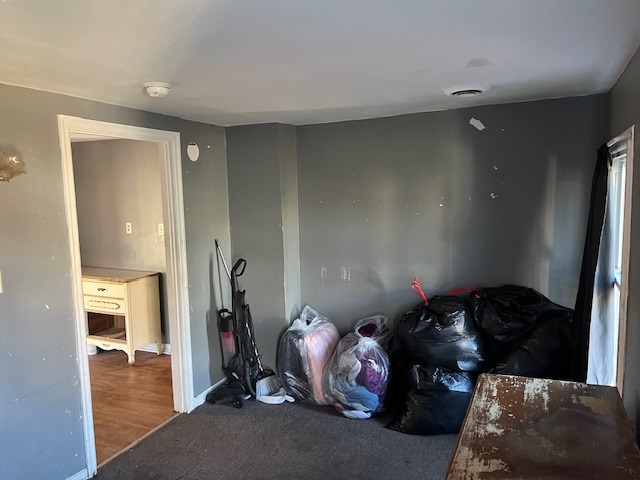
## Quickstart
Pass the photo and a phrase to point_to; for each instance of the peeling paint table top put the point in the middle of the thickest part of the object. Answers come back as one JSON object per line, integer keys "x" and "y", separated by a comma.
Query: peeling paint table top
{"x": 524, "y": 428}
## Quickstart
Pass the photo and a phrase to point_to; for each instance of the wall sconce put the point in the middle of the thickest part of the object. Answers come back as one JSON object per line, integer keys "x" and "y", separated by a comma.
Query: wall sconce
{"x": 11, "y": 166}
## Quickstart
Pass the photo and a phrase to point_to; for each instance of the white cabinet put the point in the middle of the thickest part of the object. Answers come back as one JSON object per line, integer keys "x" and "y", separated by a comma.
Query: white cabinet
{"x": 131, "y": 300}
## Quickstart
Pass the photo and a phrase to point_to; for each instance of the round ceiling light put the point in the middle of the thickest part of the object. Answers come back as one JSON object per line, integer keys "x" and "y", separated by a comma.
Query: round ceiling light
{"x": 465, "y": 91}
{"x": 157, "y": 89}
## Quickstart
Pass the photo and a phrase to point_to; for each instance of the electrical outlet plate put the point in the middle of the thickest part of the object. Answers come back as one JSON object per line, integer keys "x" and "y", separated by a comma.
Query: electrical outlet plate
{"x": 128, "y": 228}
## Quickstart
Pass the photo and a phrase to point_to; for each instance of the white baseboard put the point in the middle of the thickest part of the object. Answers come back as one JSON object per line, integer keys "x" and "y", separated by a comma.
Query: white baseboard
{"x": 81, "y": 475}
{"x": 200, "y": 399}
{"x": 153, "y": 348}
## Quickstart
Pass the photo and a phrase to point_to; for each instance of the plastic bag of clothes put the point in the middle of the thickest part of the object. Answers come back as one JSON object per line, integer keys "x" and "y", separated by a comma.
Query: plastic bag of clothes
{"x": 441, "y": 333}
{"x": 357, "y": 376}
{"x": 436, "y": 401}
{"x": 508, "y": 313}
{"x": 305, "y": 348}
{"x": 544, "y": 353}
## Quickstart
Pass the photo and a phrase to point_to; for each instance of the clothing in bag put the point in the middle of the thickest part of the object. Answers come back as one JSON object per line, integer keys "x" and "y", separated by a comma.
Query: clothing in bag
{"x": 436, "y": 400}
{"x": 357, "y": 376}
{"x": 545, "y": 353}
{"x": 305, "y": 348}
{"x": 509, "y": 313}
{"x": 441, "y": 332}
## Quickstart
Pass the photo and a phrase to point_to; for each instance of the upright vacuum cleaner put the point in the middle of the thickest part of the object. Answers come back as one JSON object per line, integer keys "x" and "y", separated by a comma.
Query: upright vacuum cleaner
{"x": 241, "y": 362}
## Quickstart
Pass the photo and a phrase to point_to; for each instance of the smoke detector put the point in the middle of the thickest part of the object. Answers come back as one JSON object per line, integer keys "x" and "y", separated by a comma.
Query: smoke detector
{"x": 157, "y": 89}
{"x": 465, "y": 91}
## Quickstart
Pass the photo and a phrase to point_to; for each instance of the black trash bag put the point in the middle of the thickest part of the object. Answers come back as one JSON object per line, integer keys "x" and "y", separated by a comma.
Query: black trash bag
{"x": 441, "y": 333}
{"x": 436, "y": 401}
{"x": 545, "y": 353}
{"x": 508, "y": 313}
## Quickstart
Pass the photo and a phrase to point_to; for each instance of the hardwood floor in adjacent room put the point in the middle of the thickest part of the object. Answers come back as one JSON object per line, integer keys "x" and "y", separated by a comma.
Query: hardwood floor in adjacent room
{"x": 128, "y": 401}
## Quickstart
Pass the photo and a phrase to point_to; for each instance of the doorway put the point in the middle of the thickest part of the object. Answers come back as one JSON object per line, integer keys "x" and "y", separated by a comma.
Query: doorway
{"x": 77, "y": 129}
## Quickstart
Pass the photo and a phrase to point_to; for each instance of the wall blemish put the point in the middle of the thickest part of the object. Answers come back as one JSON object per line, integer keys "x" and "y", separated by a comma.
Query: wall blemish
{"x": 477, "y": 123}
{"x": 345, "y": 273}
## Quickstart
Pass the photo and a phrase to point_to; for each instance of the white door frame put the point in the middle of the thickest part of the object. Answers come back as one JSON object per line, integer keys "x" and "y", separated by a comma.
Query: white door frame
{"x": 71, "y": 128}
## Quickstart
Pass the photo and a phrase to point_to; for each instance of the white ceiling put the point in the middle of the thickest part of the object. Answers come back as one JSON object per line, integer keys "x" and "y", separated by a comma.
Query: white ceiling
{"x": 238, "y": 62}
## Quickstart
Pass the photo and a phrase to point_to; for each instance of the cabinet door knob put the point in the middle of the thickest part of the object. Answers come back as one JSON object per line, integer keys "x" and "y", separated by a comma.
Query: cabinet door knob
{"x": 101, "y": 289}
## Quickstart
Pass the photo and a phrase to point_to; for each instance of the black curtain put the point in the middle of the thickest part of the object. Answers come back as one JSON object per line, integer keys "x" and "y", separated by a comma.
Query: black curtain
{"x": 582, "y": 312}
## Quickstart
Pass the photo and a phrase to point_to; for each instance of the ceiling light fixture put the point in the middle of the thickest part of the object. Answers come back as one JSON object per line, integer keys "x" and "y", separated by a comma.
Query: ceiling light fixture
{"x": 157, "y": 89}
{"x": 465, "y": 91}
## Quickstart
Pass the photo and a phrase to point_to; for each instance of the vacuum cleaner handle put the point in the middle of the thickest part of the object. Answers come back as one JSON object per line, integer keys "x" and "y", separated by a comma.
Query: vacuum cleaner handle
{"x": 223, "y": 260}
{"x": 238, "y": 268}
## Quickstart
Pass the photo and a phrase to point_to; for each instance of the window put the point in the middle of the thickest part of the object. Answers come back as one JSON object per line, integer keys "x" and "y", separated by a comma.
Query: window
{"x": 609, "y": 304}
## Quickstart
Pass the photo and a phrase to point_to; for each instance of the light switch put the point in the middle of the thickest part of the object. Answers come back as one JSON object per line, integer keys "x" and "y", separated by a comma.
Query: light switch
{"x": 128, "y": 229}
{"x": 161, "y": 229}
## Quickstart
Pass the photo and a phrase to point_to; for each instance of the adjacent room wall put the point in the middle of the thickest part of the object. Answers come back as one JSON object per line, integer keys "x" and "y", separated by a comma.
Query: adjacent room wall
{"x": 625, "y": 111}
{"x": 40, "y": 418}
{"x": 118, "y": 181}
{"x": 473, "y": 197}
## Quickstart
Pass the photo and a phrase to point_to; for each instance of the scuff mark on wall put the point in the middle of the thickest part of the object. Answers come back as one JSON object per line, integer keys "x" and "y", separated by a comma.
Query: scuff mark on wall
{"x": 477, "y": 123}
{"x": 478, "y": 62}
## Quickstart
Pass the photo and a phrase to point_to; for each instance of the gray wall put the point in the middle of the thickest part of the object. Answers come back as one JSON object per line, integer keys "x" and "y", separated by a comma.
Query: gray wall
{"x": 430, "y": 195}
{"x": 118, "y": 181}
{"x": 288, "y": 150}
{"x": 40, "y": 420}
{"x": 256, "y": 211}
{"x": 625, "y": 111}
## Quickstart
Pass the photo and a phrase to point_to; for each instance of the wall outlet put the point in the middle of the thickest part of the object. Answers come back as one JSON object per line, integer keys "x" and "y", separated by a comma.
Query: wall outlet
{"x": 128, "y": 228}
{"x": 161, "y": 229}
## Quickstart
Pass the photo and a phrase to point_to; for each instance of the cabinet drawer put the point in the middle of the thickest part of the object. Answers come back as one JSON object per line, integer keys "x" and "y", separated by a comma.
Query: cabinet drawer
{"x": 114, "y": 306}
{"x": 103, "y": 289}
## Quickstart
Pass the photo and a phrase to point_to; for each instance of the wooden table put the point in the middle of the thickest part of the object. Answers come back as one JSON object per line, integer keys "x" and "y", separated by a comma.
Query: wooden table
{"x": 525, "y": 428}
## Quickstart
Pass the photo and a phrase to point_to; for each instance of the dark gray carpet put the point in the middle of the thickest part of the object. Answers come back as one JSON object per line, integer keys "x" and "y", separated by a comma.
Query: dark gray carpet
{"x": 289, "y": 441}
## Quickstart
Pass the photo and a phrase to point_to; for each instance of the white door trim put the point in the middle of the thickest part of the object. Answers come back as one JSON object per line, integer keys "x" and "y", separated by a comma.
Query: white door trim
{"x": 71, "y": 128}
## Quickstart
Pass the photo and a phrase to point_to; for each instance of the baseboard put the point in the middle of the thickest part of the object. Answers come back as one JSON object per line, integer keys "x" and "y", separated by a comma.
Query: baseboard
{"x": 200, "y": 399}
{"x": 153, "y": 348}
{"x": 81, "y": 475}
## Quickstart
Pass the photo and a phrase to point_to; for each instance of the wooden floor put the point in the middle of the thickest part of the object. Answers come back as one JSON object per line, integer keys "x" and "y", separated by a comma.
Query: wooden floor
{"x": 128, "y": 401}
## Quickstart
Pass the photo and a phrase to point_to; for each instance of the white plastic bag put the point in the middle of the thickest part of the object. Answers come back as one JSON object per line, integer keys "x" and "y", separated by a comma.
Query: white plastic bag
{"x": 305, "y": 348}
{"x": 357, "y": 376}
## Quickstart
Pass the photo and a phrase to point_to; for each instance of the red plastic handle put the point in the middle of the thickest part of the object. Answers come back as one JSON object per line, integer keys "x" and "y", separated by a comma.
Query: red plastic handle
{"x": 416, "y": 287}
